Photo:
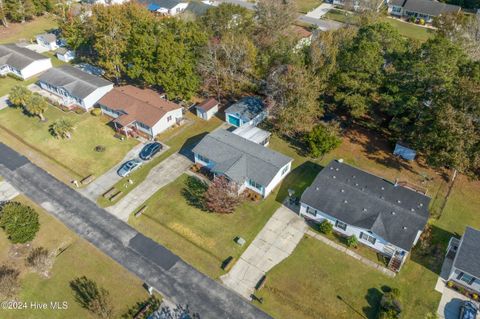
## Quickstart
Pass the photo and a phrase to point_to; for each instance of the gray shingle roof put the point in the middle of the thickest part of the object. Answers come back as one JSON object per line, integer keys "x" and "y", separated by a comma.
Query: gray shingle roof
{"x": 198, "y": 8}
{"x": 467, "y": 258}
{"x": 75, "y": 81}
{"x": 167, "y": 4}
{"x": 49, "y": 37}
{"x": 239, "y": 158}
{"x": 399, "y": 3}
{"x": 248, "y": 107}
{"x": 431, "y": 8}
{"x": 361, "y": 199}
{"x": 18, "y": 57}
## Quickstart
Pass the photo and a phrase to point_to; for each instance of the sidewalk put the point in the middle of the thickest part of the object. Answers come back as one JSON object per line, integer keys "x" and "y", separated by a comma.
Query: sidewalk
{"x": 351, "y": 253}
{"x": 275, "y": 242}
{"x": 7, "y": 191}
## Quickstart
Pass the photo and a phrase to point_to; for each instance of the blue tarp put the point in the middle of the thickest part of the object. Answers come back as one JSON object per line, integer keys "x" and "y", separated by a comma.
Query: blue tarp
{"x": 404, "y": 152}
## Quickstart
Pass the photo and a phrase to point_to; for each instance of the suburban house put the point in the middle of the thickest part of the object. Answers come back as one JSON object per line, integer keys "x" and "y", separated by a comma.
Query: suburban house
{"x": 254, "y": 134}
{"x": 137, "y": 111}
{"x": 382, "y": 215}
{"x": 73, "y": 87}
{"x": 166, "y": 7}
{"x": 21, "y": 61}
{"x": 48, "y": 41}
{"x": 207, "y": 109}
{"x": 248, "y": 111}
{"x": 465, "y": 252}
{"x": 420, "y": 9}
{"x": 198, "y": 8}
{"x": 65, "y": 55}
{"x": 359, "y": 5}
{"x": 248, "y": 164}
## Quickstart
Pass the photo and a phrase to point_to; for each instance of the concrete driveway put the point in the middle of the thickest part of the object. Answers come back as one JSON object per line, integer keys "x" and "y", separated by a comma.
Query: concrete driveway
{"x": 320, "y": 11}
{"x": 162, "y": 174}
{"x": 103, "y": 183}
{"x": 275, "y": 242}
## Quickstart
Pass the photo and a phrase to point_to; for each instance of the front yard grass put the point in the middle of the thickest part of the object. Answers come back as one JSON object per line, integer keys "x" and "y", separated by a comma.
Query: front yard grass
{"x": 305, "y": 6}
{"x": 180, "y": 137}
{"x": 76, "y": 154}
{"x": 317, "y": 281}
{"x": 79, "y": 259}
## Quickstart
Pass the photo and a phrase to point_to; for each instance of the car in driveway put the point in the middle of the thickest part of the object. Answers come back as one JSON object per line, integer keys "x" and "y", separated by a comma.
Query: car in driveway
{"x": 129, "y": 167}
{"x": 468, "y": 310}
{"x": 150, "y": 150}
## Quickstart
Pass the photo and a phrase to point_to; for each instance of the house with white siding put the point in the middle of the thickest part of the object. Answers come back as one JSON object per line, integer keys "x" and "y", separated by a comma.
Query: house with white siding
{"x": 22, "y": 62}
{"x": 246, "y": 163}
{"x": 247, "y": 111}
{"x": 465, "y": 252}
{"x": 166, "y": 7}
{"x": 137, "y": 111}
{"x": 74, "y": 87}
{"x": 384, "y": 216}
{"x": 207, "y": 109}
{"x": 48, "y": 41}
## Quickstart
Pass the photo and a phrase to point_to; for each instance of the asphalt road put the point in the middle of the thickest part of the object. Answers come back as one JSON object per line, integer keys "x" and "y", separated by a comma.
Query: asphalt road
{"x": 150, "y": 261}
{"x": 322, "y": 24}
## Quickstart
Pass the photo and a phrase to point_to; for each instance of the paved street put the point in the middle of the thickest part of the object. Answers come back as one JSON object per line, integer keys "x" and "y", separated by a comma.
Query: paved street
{"x": 162, "y": 174}
{"x": 150, "y": 261}
{"x": 103, "y": 183}
{"x": 322, "y": 24}
{"x": 275, "y": 242}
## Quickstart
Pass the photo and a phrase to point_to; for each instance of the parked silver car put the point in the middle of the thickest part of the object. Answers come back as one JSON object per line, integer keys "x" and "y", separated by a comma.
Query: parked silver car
{"x": 129, "y": 167}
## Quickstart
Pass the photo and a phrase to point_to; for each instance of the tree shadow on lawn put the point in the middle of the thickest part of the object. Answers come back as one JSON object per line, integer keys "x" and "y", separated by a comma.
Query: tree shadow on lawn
{"x": 373, "y": 297}
{"x": 432, "y": 256}
{"x": 298, "y": 179}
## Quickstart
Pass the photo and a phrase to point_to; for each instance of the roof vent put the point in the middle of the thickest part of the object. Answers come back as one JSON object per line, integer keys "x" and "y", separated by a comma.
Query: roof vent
{"x": 331, "y": 168}
{"x": 364, "y": 209}
{"x": 340, "y": 160}
{"x": 399, "y": 201}
{"x": 345, "y": 201}
{"x": 404, "y": 227}
{"x": 383, "y": 188}
{"x": 353, "y": 176}
{"x": 421, "y": 205}
{"x": 382, "y": 197}
{"x": 317, "y": 188}
{"x": 343, "y": 191}
{"x": 334, "y": 176}
{"x": 337, "y": 169}
{"x": 393, "y": 213}
{"x": 356, "y": 184}
{"x": 413, "y": 209}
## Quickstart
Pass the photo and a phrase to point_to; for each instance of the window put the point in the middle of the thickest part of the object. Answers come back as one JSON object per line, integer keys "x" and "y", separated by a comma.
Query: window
{"x": 254, "y": 184}
{"x": 368, "y": 238}
{"x": 341, "y": 225}
{"x": 285, "y": 169}
{"x": 311, "y": 211}
{"x": 145, "y": 127}
{"x": 169, "y": 118}
{"x": 466, "y": 278}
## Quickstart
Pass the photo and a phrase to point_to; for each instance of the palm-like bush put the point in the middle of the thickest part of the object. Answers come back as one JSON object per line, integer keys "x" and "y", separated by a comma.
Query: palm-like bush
{"x": 36, "y": 105}
{"x": 62, "y": 128}
{"x": 19, "y": 95}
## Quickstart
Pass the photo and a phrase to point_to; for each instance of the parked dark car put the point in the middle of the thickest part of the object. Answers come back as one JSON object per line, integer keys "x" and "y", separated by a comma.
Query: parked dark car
{"x": 129, "y": 167}
{"x": 150, "y": 150}
{"x": 468, "y": 310}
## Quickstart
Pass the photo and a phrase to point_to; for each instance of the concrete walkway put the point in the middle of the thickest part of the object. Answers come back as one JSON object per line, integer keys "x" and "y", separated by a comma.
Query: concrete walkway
{"x": 4, "y": 102}
{"x": 7, "y": 191}
{"x": 162, "y": 174}
{"x": 351, "y": 253}
{"x": 275, "y": 242}
{"x": 103, "y": 183}
{"x": 320, "y": 11}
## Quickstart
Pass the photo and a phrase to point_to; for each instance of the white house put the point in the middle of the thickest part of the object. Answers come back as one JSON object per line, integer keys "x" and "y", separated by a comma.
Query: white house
{"x": 48, "y": 41}
{"x": 21, "y": 61}
{"x": 207, "y": 109}
{"x": 248, "y": 164}
{"x": 421, "y": 9}
{"x": 248, "y": 111}
{"x": 384, "y": 216}
{"x": 75, "y": 87}
{"x": 65, "y": 55}
{"x": 138, "y": 111}
{"x": 465, "y": 252}
{"x": 166, "y": 7}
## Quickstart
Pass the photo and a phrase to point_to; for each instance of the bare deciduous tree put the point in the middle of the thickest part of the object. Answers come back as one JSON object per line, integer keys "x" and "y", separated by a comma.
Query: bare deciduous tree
{"x": 274, "y": 17}
{"x": 40, "y": 260}
{"x": 222, "y": 196}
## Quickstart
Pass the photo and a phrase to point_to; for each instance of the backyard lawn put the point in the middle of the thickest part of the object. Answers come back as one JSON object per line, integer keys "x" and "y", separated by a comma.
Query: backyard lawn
{"x": 27, "y": 31}
{"x": 305, "y": 6}
{"x": 125, "y": 289}
{"x": 75, "y": 155}
{"x": 177, "y": 138}
{"x": 317, "y": 281}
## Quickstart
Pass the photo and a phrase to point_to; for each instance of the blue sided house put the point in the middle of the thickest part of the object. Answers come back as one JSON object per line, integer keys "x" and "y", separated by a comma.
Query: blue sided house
{"x": 248, "y": 111}
{"x": 242, "y": 161}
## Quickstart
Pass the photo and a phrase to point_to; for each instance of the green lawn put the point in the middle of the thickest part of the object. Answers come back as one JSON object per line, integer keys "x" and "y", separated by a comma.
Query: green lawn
{"x": 28, "y": 30}
{"x": 176, "y": 138}
{"x": 76, "y": 155}
{"x": 408, "y": 30}
{"x": 125, "y": 289}
{"x": 308, "y": 284}
{"x": 7, "y": 83}
{"x": 305, "y": 6}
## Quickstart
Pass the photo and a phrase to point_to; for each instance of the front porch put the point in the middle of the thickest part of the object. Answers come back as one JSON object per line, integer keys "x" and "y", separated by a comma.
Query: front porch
{"x": 55, "y": 99}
